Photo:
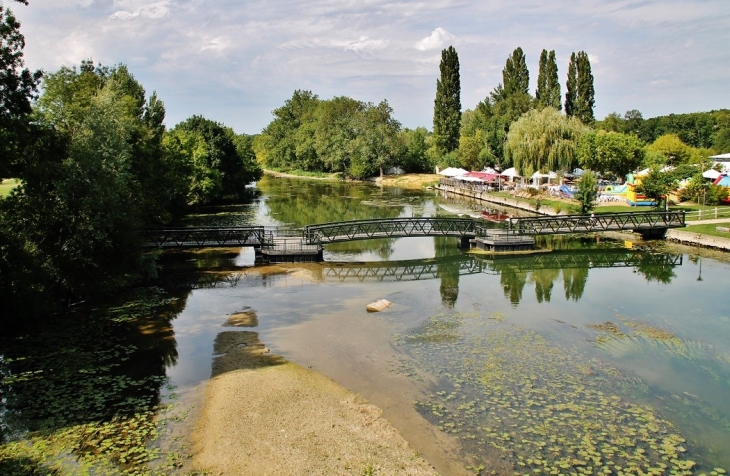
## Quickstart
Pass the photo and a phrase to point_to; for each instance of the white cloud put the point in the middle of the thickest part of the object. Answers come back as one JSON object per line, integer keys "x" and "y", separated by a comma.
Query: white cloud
{"x": 436, "y": 40}
{"x": 367, "y": 44}
{"x": 141, "y": 9}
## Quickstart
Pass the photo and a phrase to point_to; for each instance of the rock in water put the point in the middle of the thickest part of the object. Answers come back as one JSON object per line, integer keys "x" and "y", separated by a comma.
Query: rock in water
{"x": 378, "y": 305}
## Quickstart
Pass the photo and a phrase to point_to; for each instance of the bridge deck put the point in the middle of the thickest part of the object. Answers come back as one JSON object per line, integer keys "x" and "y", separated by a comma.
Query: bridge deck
{"x": 315, "y": 236}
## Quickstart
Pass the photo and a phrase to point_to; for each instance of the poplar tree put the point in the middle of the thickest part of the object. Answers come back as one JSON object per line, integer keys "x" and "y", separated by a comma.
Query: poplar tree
{"x": 515, "y": 76}
{"x": 571, "y": 87}
{"x": 447, "y": 106}
{"x": 541, "y": 90}
{"x": 552, "y": 98}
{"x": 580, "y": 94}
{"x": 586, "y": 93}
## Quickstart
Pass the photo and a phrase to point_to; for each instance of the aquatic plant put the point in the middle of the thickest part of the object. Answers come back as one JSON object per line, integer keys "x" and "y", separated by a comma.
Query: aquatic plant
{"x": 519, "y": 403}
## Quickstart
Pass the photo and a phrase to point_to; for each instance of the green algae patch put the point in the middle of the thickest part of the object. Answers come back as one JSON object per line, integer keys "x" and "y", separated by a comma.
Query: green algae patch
{"x": 81, "y": 394}
{"x": 520, "y": 404}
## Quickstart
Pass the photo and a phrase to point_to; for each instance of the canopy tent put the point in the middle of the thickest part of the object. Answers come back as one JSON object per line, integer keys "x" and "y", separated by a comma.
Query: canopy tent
{"x": 453, "y": 172}
{"x": 711, "y": 174}
{"x": 511, "y": 173}
{"x": 721, "y": 157}
{"x": 483, "y": 176}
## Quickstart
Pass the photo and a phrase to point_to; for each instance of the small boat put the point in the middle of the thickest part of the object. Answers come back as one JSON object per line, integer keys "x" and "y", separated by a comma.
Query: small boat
{"x": 494, "y": 216}
{"x": 378, "y": 305}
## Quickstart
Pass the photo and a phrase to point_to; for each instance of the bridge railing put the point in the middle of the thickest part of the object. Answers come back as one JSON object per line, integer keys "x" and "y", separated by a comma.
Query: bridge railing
{"x": 388, "y": 227}
{"x": 560, "y": 224}
{"x": 203, "y": 236}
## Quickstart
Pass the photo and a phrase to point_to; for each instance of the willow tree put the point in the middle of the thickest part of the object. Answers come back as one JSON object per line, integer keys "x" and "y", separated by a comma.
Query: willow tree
{"x": 543, "y": 140}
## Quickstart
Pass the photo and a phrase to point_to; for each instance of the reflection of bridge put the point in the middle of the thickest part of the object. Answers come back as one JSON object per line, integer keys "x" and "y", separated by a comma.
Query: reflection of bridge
{"x": 426, "y": 269}
{"x": 277, "y": 245}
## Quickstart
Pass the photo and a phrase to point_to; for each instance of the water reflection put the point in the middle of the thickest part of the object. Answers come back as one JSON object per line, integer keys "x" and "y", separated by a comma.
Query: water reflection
{"x": 542, "y": 270}
{"x": 89, "y": 376}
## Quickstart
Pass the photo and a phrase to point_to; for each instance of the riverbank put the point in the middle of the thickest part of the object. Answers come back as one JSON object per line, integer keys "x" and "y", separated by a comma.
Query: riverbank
{"x": 407, "y": 181}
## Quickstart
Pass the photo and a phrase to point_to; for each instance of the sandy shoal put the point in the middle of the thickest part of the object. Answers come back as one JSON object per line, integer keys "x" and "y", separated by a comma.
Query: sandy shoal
{"x": 266, "y": 416}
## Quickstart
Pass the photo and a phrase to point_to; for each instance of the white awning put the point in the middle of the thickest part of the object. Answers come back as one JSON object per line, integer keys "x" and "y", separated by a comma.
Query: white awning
{"x": 711, "y": 174}
{"x": 721, "y": 156}
{"x": 453, "y": 172}
{"x": 510, "y": 172}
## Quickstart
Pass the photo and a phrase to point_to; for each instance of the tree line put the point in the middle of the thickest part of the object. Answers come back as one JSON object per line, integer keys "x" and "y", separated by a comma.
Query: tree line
{"x": 96, "y": 166}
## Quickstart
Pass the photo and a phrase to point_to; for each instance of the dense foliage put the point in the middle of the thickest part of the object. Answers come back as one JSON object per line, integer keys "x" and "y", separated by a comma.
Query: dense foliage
{"x": 612, "y": 152}
{"x": 447, "y": 105}
{"x": 96, "y": 166}
{"x": 340, "y": 135}
{"x": 543, "y": 140}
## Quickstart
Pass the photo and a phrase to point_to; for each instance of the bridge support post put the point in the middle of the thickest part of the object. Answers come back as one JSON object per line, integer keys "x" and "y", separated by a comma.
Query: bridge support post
{"x": 653, "y": 234}
{"x": 465, "y": 242}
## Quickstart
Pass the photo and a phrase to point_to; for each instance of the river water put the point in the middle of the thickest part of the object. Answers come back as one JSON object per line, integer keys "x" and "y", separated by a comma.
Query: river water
{"x": 605, "y": 356}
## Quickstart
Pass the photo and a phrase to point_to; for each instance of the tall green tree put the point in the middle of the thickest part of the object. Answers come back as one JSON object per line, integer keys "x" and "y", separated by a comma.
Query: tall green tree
{"x": 571, "y": 87}
{"x": 447, "y": 105}
{"x": 548, "y": 85}
{"x": 18, "y": 88}
{"x": 515, "y": 76}
{"x": 580, "y": 94}
{"x": 543, "y": 140}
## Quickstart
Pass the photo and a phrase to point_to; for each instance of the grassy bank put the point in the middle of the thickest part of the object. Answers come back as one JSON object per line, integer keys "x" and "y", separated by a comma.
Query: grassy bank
{"x": 7, "y": 185}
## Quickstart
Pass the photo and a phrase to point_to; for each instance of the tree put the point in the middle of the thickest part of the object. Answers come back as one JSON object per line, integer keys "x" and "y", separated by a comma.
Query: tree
{"x": 18, "y": 88}
{"x": 377, "y": 143}
{"x": 571, "y": 87}
{"x": 277, "y": 144}
{"x": 656, "y": 186}
{"x": 580, "y": 93}
{"x": 587, "y": 192}
{"x": 515, "y": 76}
{"x": 447, "y": 106}
{"x": 415, "y": 158}
{"x": 543, "y": 140}
{"x": 548, "y": 85}
{"x": 612, "y": 152}
{"x": 223, "y": 156}
{"x": 672, "y": 148}
{"x": 634, "y": 122}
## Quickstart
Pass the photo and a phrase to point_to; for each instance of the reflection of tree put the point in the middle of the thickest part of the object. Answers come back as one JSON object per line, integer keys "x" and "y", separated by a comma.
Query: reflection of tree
{"x": 654, "y": 268}
{"x": 448, "y": 271}
{"x": 307, "y": 202}
{"x": 544, "y": 279}
{"x": 513, "y": 283}
{"x": 574, "y": 282}
{"x": 91, "y": 366}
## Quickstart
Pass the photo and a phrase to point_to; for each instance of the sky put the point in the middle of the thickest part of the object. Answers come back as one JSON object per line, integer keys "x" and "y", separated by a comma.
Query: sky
{"x": 235, "y": 61}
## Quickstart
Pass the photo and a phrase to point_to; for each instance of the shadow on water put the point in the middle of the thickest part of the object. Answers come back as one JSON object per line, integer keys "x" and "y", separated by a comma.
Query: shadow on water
{"x": 88, "y": 383}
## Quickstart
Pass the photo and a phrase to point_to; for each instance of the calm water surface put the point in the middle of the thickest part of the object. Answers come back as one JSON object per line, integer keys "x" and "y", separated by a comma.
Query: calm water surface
{"x": 603, "y": 357}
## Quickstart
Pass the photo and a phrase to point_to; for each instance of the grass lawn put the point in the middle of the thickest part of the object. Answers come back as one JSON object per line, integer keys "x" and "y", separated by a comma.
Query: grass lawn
{"x": 7, "y": 185}
{"x": 710, "y": 229}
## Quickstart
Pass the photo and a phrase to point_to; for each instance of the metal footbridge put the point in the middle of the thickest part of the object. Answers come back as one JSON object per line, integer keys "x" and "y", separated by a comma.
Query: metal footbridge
{"x": 308, "y": 242}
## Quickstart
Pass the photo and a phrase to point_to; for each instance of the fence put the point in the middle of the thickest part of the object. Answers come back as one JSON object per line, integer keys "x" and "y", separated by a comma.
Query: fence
{"x": 711, "y": 214}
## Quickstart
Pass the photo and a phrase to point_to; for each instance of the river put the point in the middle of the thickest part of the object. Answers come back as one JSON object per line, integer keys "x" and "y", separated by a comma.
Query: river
{"x": 605, "y": 356}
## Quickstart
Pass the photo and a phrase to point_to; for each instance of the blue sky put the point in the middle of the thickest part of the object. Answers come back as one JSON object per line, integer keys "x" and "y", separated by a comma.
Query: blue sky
{"x": 235, "y": 61}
